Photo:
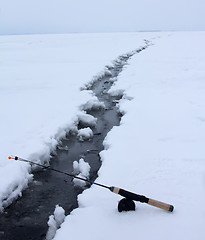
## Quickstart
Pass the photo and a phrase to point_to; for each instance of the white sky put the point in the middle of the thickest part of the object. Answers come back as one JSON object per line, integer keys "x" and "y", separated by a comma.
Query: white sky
{"x": 60, "y": 16}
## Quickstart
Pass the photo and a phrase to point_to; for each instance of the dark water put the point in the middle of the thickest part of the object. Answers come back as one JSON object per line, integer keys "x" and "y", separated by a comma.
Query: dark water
{"x": 27, "y": 217}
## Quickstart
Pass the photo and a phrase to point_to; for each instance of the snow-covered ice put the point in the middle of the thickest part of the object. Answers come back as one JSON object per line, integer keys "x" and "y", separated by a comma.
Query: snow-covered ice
{"x": 158, "y": 149}
{"x": 40, "y": 97}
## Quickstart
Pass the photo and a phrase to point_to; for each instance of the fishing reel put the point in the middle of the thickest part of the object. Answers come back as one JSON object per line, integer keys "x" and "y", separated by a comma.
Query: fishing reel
{"x": 126, "y": 205}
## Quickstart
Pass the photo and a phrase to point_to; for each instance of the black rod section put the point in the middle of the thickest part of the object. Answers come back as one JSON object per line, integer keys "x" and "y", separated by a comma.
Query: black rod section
{"x": 56, "y": 170}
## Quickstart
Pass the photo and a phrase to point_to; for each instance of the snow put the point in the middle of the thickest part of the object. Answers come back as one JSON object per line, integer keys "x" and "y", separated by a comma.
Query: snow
{"x": 81, "y": 169}
{"x": 85, "y": 134}
{"x": 55, "y": 221}
{"x": 86, "y": 119}
{"x": 13, "y": 182}
{"x": 93, "y": 104}
{"x": 40, "y": 81}
{"x": 157, "y": 151}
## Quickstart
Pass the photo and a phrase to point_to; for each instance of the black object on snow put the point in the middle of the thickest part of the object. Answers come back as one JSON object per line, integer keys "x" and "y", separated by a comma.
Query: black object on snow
{"x": 126, "y": 204}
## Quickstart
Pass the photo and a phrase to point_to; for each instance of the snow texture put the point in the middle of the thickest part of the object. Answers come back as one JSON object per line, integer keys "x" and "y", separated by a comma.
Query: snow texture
{"x": 97, "y": 77}
{"x": 40, "y": 97}
{"x": 81, "y": 169}
{"x": 55, "y": 222}
{"x": 94, "y": 104}
{"x": 85, "y": 134}
{"x": 157, "y": 151}
{"x": 86, "y": 119}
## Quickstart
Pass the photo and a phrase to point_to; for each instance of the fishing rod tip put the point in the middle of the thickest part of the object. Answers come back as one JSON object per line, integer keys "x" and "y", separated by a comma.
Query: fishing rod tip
{"x": 13, "y": 157}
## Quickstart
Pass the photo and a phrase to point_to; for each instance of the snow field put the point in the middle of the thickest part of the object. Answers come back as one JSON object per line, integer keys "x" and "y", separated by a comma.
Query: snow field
{"x": 157, "y": 151}
{"x": 40, "y": 97}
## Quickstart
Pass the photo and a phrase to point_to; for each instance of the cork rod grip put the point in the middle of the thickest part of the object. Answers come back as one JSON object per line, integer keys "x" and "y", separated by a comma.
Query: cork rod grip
{"x": 161, "y": 205}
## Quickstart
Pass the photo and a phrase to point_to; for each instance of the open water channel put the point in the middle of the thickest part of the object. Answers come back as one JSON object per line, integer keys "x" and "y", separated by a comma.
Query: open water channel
{"x": 27, "y": 217}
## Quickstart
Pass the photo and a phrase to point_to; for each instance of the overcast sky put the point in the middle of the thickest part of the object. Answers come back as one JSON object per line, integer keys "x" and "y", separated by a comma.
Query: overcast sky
{"x": 62, "y": 16}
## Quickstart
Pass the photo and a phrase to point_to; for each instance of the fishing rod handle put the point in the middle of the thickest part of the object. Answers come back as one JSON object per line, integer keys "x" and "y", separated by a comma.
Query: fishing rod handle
{"x": 142, "y": 199}
{"x": 129, "y": 195}
{"x": 161, "y": 205}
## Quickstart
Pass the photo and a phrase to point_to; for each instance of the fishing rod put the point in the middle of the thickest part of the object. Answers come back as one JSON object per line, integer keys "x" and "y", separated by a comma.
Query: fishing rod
{"x": 126, "y": 194}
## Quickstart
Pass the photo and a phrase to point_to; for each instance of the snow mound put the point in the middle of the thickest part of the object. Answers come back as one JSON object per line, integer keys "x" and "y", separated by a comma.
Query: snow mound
{"x": 85, "y": 134}
{"x": 93, "y": 104}
{"x": 105, "y": 73}
{"x": 116, "y": 92}
{"x": 14, "y": 179}
{"x": 86, "y": 119}
{"x": 82, "y": 169}
{"x": 55, "y": 222}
